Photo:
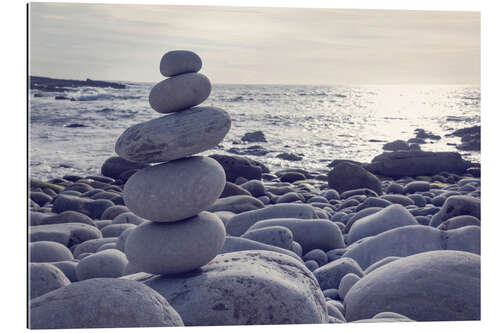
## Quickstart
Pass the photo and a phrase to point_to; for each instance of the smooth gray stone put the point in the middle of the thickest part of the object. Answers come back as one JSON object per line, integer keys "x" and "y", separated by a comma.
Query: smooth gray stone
{"x": 329, "y": 275}
{"x": 43, "y": 278}
{"x": 120, "y": 242}
{"x": 423, "y": 220}
{"x": 346, "y": 283}
{"x": 360, "y": 214}
{"x": 115, "y": 230}
{"x": 317, "y": 255}
{"x": 332, "y": 293}
{"x": 275, "y": 236}
{"x": 395, "y": 188}
{"x": 409, "y": 240}
{"x": 175, "y": 190}
{"x": 40, "y": 198}
{"x": 338, "y": 216}
{"x": 225, "y": 216}
{"x": 458, "y": 222}
{"x": 236, "y": 204}
{"x": 128, "y": 218}
{"x": 449, "y": 291}
{"x": 296, "y": 248}
{"x": 418, "y": 199}
{"x": 179, "y": 92}
{"x": 309, "y": 233}
{"x": 241, "y": 222}
{"x": 101, "y": 224}
{"x": 114, "y": 211}
{"x": 46, "y": 251}
{"x": 107, "y": 246}
{"x": 78, "y": 232}
{"x": 174, "y": 136}
{"x": 245, "y": 288}
{"x": 388, "y": 218}
{"x": 331, "y": 194}
{"x": 108, "y": 263}
{"x": 58, "y": 236}
{"x": 255, "y": 187}
{"x": 317, "y": 198}
{"x": 335, "y": 254}
{"x": 238, "y": 244}
{"x": 417, "y": 186}
{"x": 347, "y": 176}
{"x": 36, "y": 218}
{"x": 398, "y": 199}
{"x": 231, "y": 189}
{"x": 373, "y": 202}
{"x": 461, "y": 205}
{"x": 172, "y": 248}
{"x": 89, "y": 207}
{"x": 290, "y": 197}
{"x": 102, "y": 303}
{"x": 337, "y": 303}
{"x": 91, "y": 245}
{"x": 311, "y": 264}
{"x": 68, "y": 267}
{"x": 391, "y": 315}
{"x": 380, "y": 263}
{"x": 333, "y": 311}
{"x": 67, "y": 217}
{"x": 179, "y": 62}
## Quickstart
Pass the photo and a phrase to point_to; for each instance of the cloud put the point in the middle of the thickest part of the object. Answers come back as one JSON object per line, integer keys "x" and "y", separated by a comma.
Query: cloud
{"x": 280, "y": 45}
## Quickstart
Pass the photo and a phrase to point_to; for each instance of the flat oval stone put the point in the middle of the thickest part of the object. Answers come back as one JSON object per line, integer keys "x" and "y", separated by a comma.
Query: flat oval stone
{"x": 179, "y": 92}
{"x": 179, "y": 62}
{"x": 171, "y": 248}
{"x": 174, "y": 136}
{"x": 175, "y": 190}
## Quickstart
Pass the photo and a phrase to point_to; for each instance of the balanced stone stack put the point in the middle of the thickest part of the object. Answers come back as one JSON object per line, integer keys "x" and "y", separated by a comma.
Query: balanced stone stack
{"x": 174, "y": 193}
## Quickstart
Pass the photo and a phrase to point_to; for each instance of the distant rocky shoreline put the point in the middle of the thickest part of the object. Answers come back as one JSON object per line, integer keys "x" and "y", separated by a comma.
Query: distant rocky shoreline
{"x": 62, "y": 85}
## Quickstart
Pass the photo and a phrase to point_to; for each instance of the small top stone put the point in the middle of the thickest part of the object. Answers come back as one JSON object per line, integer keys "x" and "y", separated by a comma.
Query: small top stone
{"x": 179, "y": 62}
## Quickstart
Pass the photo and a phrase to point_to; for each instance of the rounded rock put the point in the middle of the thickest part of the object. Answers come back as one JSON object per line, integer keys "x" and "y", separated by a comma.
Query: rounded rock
{"x": 44, "y": 277}
{"x": 170, "y": 248}
{"x": 107, "y": 263}
{"x": 179, "y": 92}
{"x": 179, "y": 62}
{"x": 175, "y": 190}
{"x": 174, "y": 136}
{"x": 450, "y": 290}
{"x": 102, "y": 303}
{"x": 47, "y": 251}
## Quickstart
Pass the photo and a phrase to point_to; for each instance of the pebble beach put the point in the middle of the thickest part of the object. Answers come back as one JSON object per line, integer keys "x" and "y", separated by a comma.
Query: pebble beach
{"x": 175, "y": 232}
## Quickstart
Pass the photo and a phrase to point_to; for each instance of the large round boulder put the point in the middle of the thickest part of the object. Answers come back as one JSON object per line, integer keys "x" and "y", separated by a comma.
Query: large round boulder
{"x": 171, "y": 248}
{"x": 174, "y": 136}
{"x": 45, "y": 277}
{"x": 102, "y": 303}
{"x": 175, "y": 190}
{"x": 413, "y": 239}
{"x": 245, "y": 288}
{"x": 432, "y": 286}
{"x": 347, "y": 176}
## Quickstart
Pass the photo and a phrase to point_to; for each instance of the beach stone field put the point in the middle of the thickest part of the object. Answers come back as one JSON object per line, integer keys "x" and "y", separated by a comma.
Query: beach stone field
{"x": 167, "y": 237}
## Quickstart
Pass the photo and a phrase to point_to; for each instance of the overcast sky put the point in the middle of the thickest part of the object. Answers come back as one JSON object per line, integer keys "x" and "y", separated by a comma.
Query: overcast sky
{"x": 256, "y": 45}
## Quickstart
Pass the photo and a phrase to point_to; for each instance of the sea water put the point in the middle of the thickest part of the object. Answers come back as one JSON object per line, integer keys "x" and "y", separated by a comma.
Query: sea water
{"x": 317, "y": 123}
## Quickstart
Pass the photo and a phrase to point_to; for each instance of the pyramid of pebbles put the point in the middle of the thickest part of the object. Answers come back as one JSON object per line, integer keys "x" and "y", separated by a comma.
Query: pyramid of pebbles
{"x": 174, "y": 193}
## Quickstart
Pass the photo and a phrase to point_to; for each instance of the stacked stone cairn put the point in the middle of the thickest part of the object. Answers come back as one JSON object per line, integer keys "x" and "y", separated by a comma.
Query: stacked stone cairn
{"x": 173, "y": 193}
